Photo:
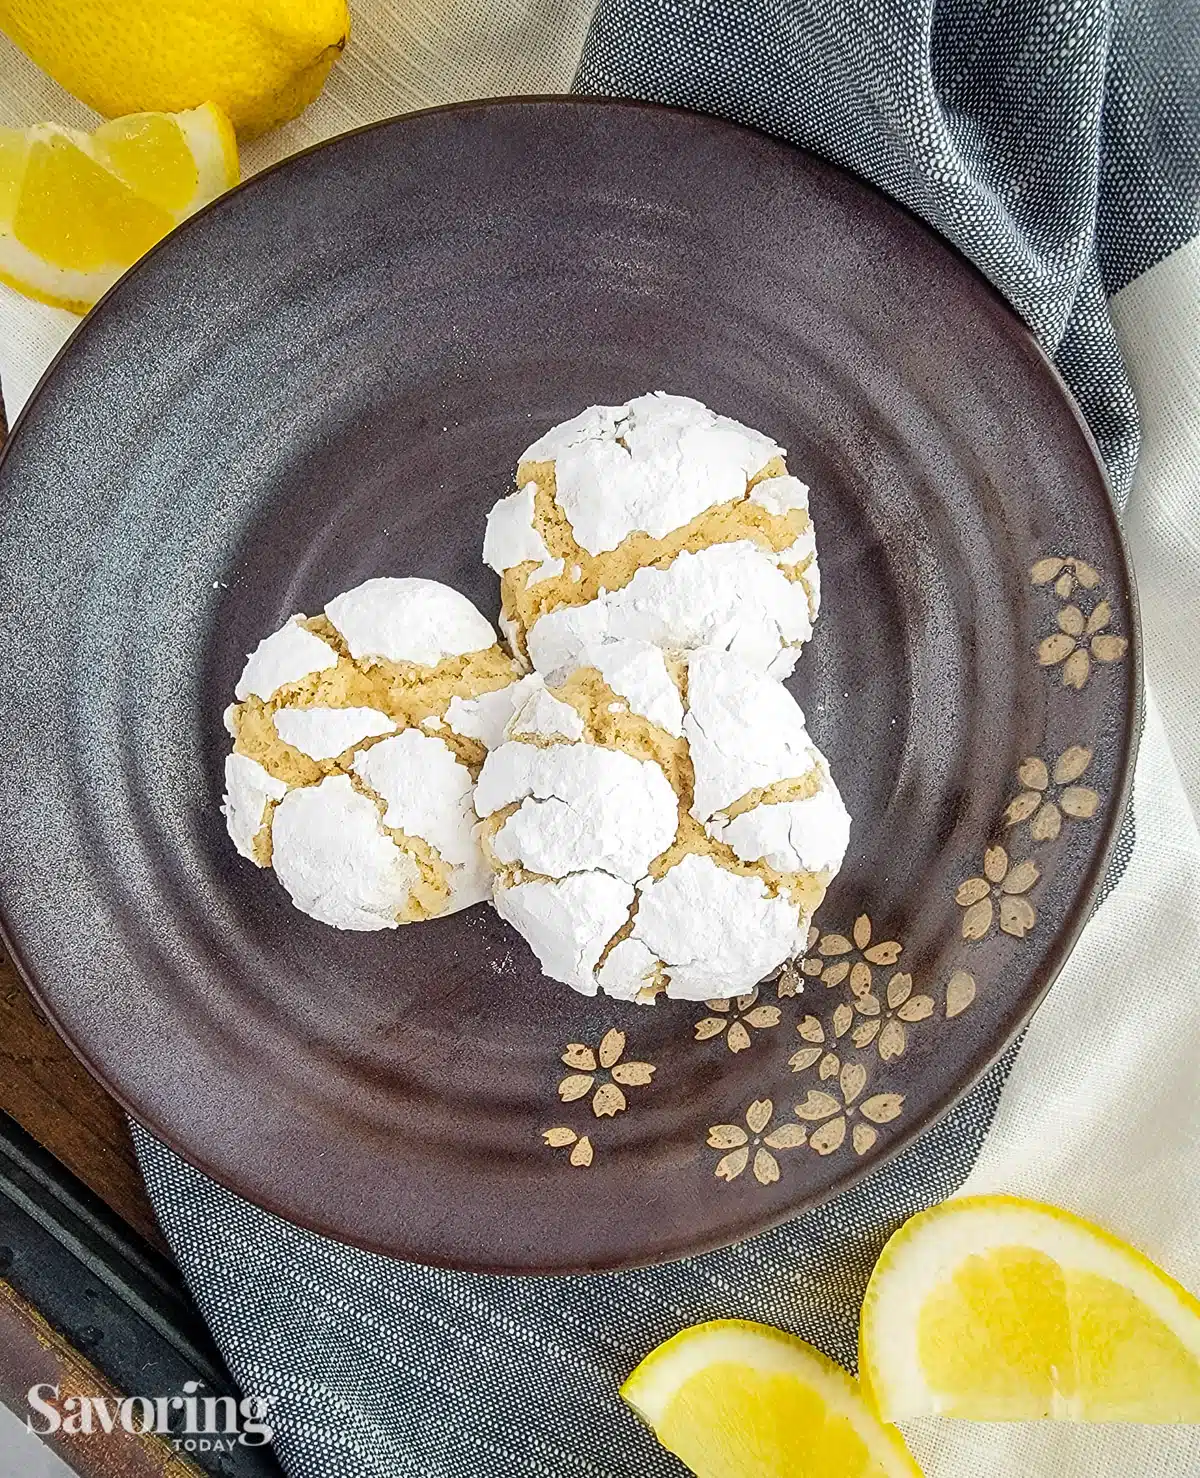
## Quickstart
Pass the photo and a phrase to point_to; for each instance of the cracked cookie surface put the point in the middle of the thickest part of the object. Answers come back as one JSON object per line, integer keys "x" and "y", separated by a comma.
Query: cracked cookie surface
{"x": 658, "y": 520}
{"x": 660, "y": 822}
{"x": 358, "y": 735}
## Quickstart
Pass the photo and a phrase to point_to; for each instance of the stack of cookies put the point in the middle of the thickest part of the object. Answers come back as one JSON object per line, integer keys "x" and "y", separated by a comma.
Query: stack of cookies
{"x": 625, "y": 777}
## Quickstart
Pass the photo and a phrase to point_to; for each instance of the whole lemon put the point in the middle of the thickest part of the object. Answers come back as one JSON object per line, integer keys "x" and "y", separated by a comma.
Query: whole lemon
{"x": 262, "y": 61}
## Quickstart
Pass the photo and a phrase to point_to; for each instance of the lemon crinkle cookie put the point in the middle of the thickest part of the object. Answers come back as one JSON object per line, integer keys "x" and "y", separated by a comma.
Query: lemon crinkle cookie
{"x": 660, "y": 821}
{"x": 358, "y": 735}
{"x": 661, "y": 521}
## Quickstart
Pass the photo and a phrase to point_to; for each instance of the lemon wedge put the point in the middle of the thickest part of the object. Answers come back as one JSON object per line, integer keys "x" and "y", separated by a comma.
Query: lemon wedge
{"x": 262, "y": 61}
{"x": 77, "y": 209}
{"x": 739, "y": 1400}
{"x": 999, "y": 1309}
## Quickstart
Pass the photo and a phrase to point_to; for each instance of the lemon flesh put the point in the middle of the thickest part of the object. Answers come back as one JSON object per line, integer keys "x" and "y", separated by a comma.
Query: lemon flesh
{"x": 77, "y": 209}
{"x": 997, "y": 1309}
{"x": 733, "y": 1399}
{"x": 261, "y": 61}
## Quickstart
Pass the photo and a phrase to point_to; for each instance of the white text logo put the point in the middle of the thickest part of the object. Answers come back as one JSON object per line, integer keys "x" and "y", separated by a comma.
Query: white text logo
{"x": 190, "y": 1422}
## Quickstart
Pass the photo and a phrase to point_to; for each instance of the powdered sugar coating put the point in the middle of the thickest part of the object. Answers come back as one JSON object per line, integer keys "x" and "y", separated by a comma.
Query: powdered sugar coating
{"x": 547, "y": 570}
{"x": 568, "y": 808}
{"x": 510, "y": 537}
{"x": 421, "y": 779}
{"x": 744, "y": 731}
{"x": 648, "y": 466}
{"x": 804, "y": 547}
{"x": 408, "y": 620}
{"x": 809, "y": 835}
{"x": 543, "y": 716}
{"x": 486, "y": 716}
{"x": 729, "y": 596}
{"x": 324, "y": 733}
{"x": 511, "y": 633}
{"x": 780, "y": 495}
{"x": 429, "y": 794}
{"x": 579, "y": 808}
{"x": 812, "y": 582}
{"x": 630, "y": 966}
{"x": 637, "y": 672}
{"x": 568, "y": 921}
{"x": 717, "y": 933}
{"x": 286, "y": 656}
{"x": 336, "y": 862}
{"x": 592, "y": 424}
{"x": 248, "y": 789}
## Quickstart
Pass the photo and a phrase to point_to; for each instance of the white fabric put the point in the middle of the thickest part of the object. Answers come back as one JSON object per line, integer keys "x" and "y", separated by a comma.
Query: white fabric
{"x": 1158, "y": 320}
{"x": 22, "y": 1455}
{"x": 1101, "y": 1113}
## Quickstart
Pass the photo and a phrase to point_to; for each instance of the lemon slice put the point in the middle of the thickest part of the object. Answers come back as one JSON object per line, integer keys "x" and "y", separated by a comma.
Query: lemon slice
{"x": 999, "y": 1309}
{"x": 77, "y": 209}
{"x": 739, "y": 1400}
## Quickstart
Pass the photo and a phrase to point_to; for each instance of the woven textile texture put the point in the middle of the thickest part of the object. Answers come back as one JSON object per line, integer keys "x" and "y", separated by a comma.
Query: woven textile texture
{"x": 1052, "y": 141}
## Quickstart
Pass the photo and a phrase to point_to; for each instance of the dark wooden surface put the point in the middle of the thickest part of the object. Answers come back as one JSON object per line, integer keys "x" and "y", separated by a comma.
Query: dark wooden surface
{"x": 45, "y": 1088}
{"x": 53, "y": 1097}
{"x": 31, "y": 1353}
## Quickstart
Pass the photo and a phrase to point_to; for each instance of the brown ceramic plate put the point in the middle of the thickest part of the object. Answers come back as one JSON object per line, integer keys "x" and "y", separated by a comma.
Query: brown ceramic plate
{"x": 328, "y": 375}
